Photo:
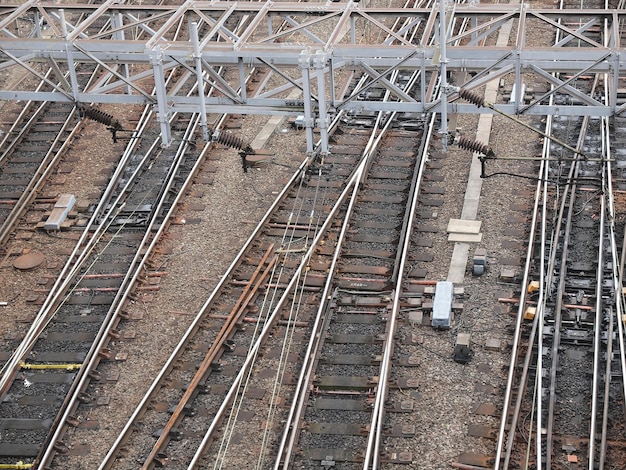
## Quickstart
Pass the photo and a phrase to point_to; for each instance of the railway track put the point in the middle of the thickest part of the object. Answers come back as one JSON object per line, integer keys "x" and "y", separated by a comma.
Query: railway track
{"x": 321, "y": 185}
{"x": 276, "y": 285}
{"x": 79, "y": 314}
{"x": 581, "y": 362}
{"x": 567, "y": 378}
{"x": 374, "y": 275}
{"x": 30, "y": 155}
{"x": 44, "y": 371}
{"x": 89, "y": 295}
{"x": 336, "y": 272}
{"x": 35, "y": 145}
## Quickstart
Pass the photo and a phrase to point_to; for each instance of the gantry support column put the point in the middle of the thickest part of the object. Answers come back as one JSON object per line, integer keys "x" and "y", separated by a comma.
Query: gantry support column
{"x": 163, "y": 115}
{"x": 319, "y": 63}
{"x": 443, "y": 37}
{"x": 197, "y": 57}
{"x": 70, "y": 58}
{"x": 309, "y": 118}
{"x": 117, "y": 21}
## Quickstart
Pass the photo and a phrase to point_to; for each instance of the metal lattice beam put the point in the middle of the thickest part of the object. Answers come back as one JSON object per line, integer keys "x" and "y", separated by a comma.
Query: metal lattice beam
{"x": 135, "y": 48}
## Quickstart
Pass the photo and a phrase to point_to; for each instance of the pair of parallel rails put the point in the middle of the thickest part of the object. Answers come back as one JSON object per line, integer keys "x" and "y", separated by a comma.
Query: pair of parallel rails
{"x": 564, "y": 404}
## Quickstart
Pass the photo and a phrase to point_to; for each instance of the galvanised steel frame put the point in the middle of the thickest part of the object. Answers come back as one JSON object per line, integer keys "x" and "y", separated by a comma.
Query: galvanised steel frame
{"x": 316, "y": 47}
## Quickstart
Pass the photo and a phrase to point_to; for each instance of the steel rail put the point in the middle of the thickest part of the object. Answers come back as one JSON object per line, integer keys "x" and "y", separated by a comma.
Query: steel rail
{"x": 54, "y": 301}
{"x": 173, "y": 419}
{"x": 607, "y": 219}
{"x": 565, "y": 219}
{"x": 540, "y": 194}
{"x": 50, "y": 159}
{"x": 46, "y": 312}
{"x": 616, "y": 311}
{"x": 150, "y": 240}
{"x": 351, "y": 190}
{"x": 7, "y": 146}
{"x": 538, "y": 320}
{"x": 617, "y": 279}
{"x": 277, "y": 270}
{"x": 313, "y": 336}
{"x": 151, "y": 237}
{"x": 296, "y": 411}
{"x": 598, "y": 328}
{"x": 287, "y": 442}
{"x": 109, "y": 458}
{"x": 273, "y": 316}
{"x": 376, "y": 426}
{"x": 312, "y": 226}
{"x": 574, "y": 170}
{"x": 217, "y": 343}
{"x": 83, "y": 248}
{"x": 121, "y": 439}
{"x": 195, "y": 324}
{"x": 345, "y": 195}
{"x": 372, "y": 452}
{"x": 228, "y": 326}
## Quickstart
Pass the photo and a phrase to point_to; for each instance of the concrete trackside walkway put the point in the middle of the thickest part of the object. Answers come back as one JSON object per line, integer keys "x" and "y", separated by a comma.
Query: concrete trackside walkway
{"x": 460, "y": 254}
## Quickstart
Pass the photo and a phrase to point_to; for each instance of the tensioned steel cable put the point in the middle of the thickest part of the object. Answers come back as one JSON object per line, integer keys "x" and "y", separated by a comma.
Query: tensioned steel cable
{"x": 288, "y": 240}
{"x": 291, "y": 326}
{"x": 318, "y": 201}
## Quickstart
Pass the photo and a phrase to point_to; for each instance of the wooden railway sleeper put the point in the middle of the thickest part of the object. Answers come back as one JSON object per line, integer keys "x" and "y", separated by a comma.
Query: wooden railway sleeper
{"x": 188, "y": 410}
{"x": 95, "y": 375}
{"x": 161, "y": 460}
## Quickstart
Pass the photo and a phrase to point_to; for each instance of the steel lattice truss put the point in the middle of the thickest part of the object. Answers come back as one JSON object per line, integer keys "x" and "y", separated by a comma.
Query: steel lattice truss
{"x": 164, "y": 55}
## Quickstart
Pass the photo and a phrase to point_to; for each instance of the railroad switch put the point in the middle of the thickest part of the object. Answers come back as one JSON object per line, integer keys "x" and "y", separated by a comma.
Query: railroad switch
{"x": 462, "y": 350}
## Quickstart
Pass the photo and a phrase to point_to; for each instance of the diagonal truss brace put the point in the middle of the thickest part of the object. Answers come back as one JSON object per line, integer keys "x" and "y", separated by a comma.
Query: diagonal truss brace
{"x": 136, "y": 68}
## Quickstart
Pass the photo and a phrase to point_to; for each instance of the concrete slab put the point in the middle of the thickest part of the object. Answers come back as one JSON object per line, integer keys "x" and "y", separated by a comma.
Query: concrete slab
{"x": 493, "y": 344}
{"x": 464, "y": 226}
{"x": 465, "y": 237}
{"x": 458, "y": 263}
{"x": 459, "y": 259}
{"x": 416, "y": 317}
{"x": 264, "y": 135}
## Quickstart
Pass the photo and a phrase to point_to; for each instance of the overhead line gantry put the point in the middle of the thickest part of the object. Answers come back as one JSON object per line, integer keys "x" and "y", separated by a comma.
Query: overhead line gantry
{"x": 318, "y": 41}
